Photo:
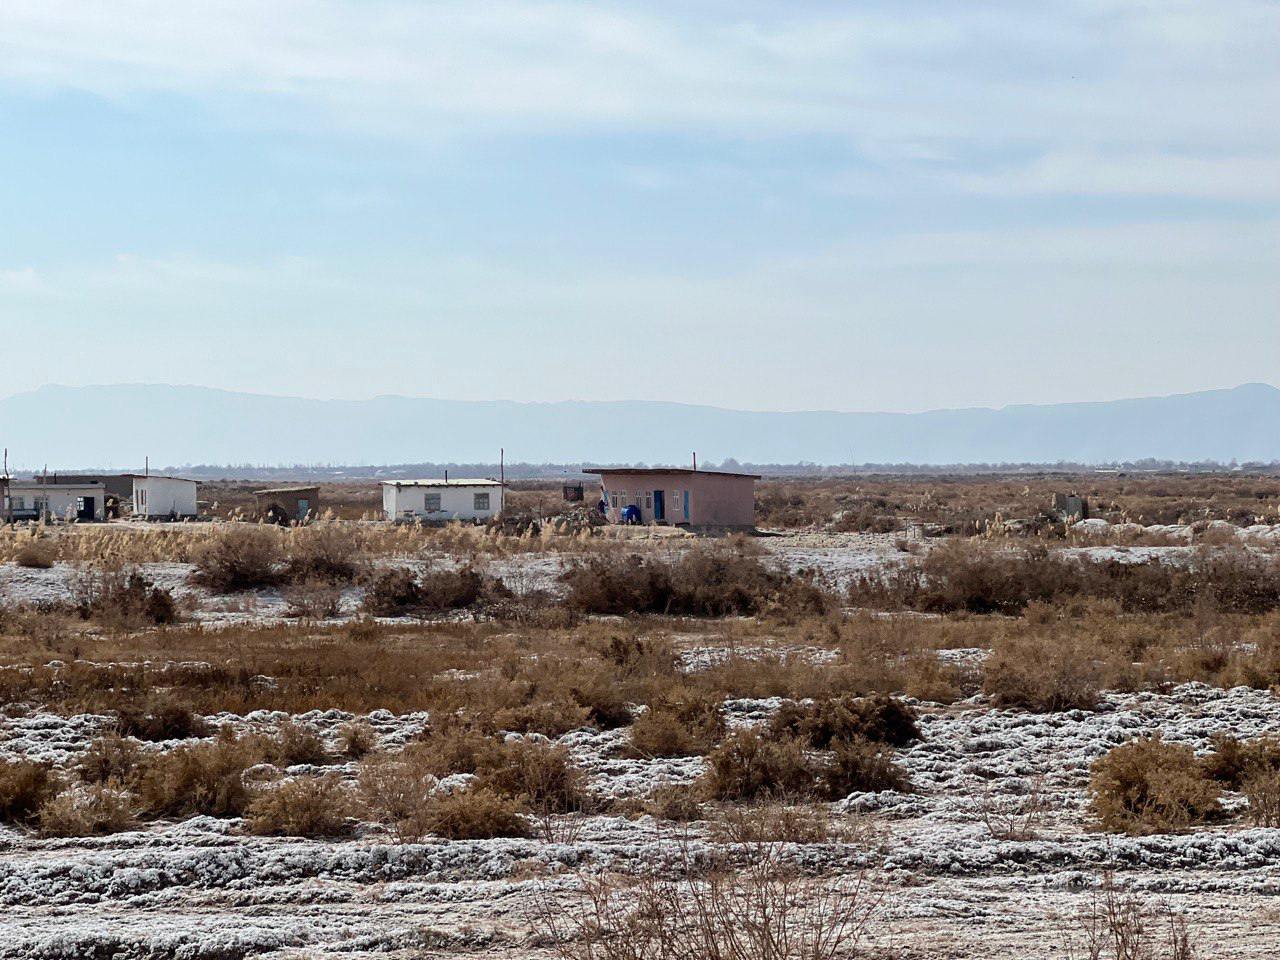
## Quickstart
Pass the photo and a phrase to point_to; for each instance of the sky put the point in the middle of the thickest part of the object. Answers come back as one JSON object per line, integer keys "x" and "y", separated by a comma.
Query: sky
{"x": 897, "y": 205}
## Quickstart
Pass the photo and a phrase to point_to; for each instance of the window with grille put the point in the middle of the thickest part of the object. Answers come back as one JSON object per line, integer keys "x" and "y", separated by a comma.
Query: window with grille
{"x": 482, "y": 501}
{"x": 431, "y": 502}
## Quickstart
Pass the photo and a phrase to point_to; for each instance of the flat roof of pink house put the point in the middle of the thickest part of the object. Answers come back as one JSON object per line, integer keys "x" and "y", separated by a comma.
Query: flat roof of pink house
{"x": 602, "y": 471}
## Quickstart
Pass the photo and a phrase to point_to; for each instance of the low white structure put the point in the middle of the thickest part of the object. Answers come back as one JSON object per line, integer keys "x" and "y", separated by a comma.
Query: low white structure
{"x": 471, "y": 499}
{"x": 28, "y": 500}
{"x": 163, "y": 497}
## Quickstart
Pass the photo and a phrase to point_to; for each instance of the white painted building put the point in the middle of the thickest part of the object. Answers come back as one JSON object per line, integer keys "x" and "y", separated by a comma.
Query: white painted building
{"x": 163, "y": 497}
{"x": 471, "y": 499}
{"x": 28, "y": 500}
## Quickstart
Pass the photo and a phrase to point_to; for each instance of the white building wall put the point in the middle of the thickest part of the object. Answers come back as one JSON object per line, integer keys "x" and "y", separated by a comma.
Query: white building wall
{"x": 164, "y": 497}
{"x": 61, "y": 498}
{"x": 456, "y": 502}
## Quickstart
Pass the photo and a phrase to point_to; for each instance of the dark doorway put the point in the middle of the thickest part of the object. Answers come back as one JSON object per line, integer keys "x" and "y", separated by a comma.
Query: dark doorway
{"x": 84, "y": 508}
{"x": 659, "y": 506}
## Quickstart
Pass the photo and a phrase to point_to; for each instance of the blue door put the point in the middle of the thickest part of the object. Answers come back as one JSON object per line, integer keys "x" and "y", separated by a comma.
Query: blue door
{"x": 659, "y": 506}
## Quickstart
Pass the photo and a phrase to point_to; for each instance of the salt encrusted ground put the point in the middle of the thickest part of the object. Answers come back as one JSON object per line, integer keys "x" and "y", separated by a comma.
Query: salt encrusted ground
{"x": 199, "y": 890}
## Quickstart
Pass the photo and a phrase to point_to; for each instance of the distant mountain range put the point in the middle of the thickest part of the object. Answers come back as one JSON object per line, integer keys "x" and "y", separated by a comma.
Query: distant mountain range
{"x": 118, "y": 426}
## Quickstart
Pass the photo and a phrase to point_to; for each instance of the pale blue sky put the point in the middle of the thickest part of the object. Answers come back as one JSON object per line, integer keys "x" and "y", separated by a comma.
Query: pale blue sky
{"x": 889, "y": 205}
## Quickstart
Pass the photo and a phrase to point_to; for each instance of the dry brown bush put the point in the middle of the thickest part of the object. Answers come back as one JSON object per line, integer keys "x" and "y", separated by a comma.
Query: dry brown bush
{"x": 312, "y": 599}
{"x": 1150, "y": 786}
{"x": 356, "y": 738}
{"x": 396, "y": 791}
{"x": 675, "y": 802}
{"x": 773, "y": 823}
{"x": 1044, "y": 673}
{"x": 540, "y": 773}
{"x": 36, "y": 553}
{"x": 1235, "y": 761}
{"x": 980, "y": 577}
{"x": 1013, "y": 816}
{"x": 325, "y": 552}
{"x": 159, "y": 717}
{"x": 205, "y": 778}
{"x": 860, "y": 766}
{"x": 87, "y": 810}
{"x": 302, "y": 807}
{"x": 476, "y": 813}
{"x": 25, "y": 786}
{"x": 398, "y": 592}
{"x": 747, "y": 766}
{"x": 109, "y": 757}
{"x": 1114, "y": 925}
{"x": 684, "y": 727}
{"x": 1262, "y": 790}
{"x": 238, "y": 557}
{"x": 760, "y": 908}
{"x": 821, "y": 723}
{"x": 452, "y": 748}
{"x": 705, "y": 581}
{"x": 292, "y": 744}
{"x": 122, "y": 599}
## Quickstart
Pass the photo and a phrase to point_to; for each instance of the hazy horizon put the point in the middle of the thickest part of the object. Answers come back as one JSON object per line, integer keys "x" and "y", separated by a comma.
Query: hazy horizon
{"x": 623, "y": 400}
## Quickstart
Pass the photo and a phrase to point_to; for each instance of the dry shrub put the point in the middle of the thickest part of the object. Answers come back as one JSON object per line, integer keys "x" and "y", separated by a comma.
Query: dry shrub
{"x": 122, "y": 599}
{"x": 324, "y": 552}
{"x": 676, "y": 802}
{"x": 550, "y": 718}
{"x": 88, "y": 810}
{"x": 1114, "y": 925}
{"x": 313, "y": 599}
{"x": 452, "y": 748}
{"x": 1013, "y": 816}
{"x": 677, "y": 728}
{"x": 1044, "y": 673}
{"x": 881, "y": 719}
{"x": 396, "y": 791}
{"x": 981, "y": 577}
{"x": 540, "y": 773}
{"x": 356, "y": 738}
{"x": 773, "y": 823}
{"x": 205, "y": 778}
{"x": 293, "y": 744}
{"x": 303, "y": 807}
{"x": 706, "y": 581}
{"x": 1149, "y": 786}
{"x": 761, "y": 908}
{"x": 36, "y": 553}
{"x": 401, "y": 792}
{"x": 238, "y": 557}
{"x": 109, "y": 758}
{"x": 747, "y": 766}
{"x": 398, "y": 592}
{"x": 474, "y": 814}
{"x": 1262, "y": 790}
{"x": 25, "y": 786}
{"x": 860, "y": 766}
{"x": 1235, "y": 761}
{"x": 160, "y": 717}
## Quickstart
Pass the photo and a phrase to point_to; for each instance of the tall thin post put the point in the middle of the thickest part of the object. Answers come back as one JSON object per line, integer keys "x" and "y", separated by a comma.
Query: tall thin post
{"x": 695, "y": 459}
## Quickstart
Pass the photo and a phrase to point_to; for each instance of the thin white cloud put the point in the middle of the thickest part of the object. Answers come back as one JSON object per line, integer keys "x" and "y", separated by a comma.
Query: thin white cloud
{"x": 889, "y": 76}
{"x": 1154, "y": 175}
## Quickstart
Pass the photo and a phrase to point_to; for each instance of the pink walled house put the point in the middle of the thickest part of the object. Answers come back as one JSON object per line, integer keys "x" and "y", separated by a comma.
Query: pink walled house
{"x": 693, "y": 498}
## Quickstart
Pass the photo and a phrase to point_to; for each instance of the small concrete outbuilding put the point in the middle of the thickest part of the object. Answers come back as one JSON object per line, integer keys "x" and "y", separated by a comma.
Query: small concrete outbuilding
{"x": 698, "y": 499}
{"x": 163, "y": 498}
{"x": 29, "y": 500}
{"x": 286, "y": 505}
{"x": 442, "y": 500}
